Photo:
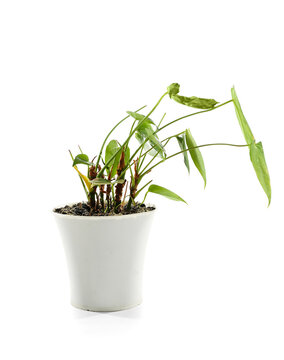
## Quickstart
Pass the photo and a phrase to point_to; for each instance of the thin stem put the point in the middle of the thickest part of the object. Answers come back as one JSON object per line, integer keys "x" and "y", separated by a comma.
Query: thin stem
{"x": 182, "y": 151}
{"x": 174, "y": 121}
{"x": 130, "y": 135}
{"x": 143, "y": 187}
{"x": 153, "y": 158}
{"x": 161, "y": 121}
{"x": 198, "y": 112}
{"x": 108, "y": 135}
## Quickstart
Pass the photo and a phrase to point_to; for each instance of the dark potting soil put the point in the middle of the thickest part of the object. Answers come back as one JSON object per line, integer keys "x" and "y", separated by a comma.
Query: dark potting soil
{"x": 83, "y": 209}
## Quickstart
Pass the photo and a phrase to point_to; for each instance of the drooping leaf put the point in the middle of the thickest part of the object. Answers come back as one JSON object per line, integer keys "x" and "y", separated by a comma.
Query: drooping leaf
{"x": 241, "y": 118}
{"x": 112, "y": 148}
{"x": 195, "y": 102}
{"x": 82, "y": 159}
{"x": 255, "y": 149}
{"x": 182, "y": 144}
{"x": 260, "y": 167}
{"x": 195, "y": 154}
{"x": 173, "y": 89}
{"x": 156, "y": 189}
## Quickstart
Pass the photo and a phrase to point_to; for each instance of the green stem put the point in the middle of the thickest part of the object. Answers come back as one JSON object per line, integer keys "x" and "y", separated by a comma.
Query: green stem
{"x": 131, "y": 134}
{"x": 182, "y": 151}
{"x": 141, "y": 156}
{"x": 143, "y": 187}
{"x": 174, "y": 121}
{"x": 198, "y": 112}
{"x": 153, "y": 158}
{"x": 108, "y": 135}
{"x": 161, "y": 121}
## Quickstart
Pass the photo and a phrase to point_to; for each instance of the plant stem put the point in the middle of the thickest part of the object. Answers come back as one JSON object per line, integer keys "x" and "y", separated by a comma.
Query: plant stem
{"x": 108, "y": 135}
{"x": 143, "y": 187}
{"x": 174, "y": 121}
{"x": 198, "y": 112}
{"x": 161, "y": 120}
{"x": 153, "y": 158}
{"x": 131, "y": 134}
{"x": 194, "y": 147}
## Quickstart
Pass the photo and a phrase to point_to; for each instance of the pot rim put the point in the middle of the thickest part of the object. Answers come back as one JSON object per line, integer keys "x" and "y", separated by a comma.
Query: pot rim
{"x": 96, "y": 218}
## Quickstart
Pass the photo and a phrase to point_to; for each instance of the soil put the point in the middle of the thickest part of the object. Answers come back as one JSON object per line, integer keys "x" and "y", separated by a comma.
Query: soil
{"x": 83, "y": 209}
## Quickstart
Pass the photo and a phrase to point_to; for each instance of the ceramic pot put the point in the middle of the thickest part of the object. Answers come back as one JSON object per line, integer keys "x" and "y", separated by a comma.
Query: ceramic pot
{"x": 105, "y": 258}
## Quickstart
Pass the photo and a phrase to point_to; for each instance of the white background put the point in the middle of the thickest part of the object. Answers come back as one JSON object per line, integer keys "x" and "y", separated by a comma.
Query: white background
{"x": 214, "y": 271}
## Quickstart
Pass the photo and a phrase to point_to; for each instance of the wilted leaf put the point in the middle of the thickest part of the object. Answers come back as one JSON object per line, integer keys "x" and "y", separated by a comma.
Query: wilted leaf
{"x": 156, "y": 189}
{"x": 195, "y": 154}
{"x": 195, "y": 102}
{"x": 182, "y": 144}
{"x": 84, "y": 178}
{"x": 173, "y": 89}
{"x": 260, "y": 167}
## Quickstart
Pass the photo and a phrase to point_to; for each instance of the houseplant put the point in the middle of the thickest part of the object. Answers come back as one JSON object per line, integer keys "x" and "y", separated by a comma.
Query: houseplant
{"x": 105, "y": 237}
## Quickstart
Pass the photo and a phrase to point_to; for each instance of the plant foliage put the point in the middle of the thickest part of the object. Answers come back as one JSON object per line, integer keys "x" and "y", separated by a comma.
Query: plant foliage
{"x": 117, "y": 178}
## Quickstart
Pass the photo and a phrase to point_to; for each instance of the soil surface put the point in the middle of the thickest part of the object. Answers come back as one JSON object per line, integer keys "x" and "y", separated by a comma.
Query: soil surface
{"x": 83, "y": 209}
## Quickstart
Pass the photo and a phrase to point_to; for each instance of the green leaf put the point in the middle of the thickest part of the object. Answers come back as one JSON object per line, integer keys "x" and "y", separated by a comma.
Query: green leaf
{"x": 195, "y": 102}
{"x": 148, "y": 132}
{"x": 111, "y": 149}
{"x": 140, "y": 117}
{"x": 101, "y": 181}
{"x": 146, "y": 146}
{"x": 182, "y": 144}
{"x": 260, "y": 167}
{"x": 173, "y": 89}
{"x": 255, "y": 149}
{"x": 156, "y": 189}
{"x": 195, "y": 154}
{"x": 82, "y": 159}
{"x": 145, "y": 131}
{"x": 241, "y": 118}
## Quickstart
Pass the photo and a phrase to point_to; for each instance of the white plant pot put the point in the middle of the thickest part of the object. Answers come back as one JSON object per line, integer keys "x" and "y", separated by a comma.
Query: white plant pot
{"x": 105, "y": 258}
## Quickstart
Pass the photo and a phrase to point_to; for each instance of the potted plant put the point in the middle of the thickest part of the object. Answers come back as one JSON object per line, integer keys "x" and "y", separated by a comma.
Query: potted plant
{"x": 105, "y": 237}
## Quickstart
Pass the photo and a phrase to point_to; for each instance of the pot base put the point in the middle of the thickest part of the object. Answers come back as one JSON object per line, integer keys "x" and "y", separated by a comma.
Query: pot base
{"x": 101, "y": 309}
